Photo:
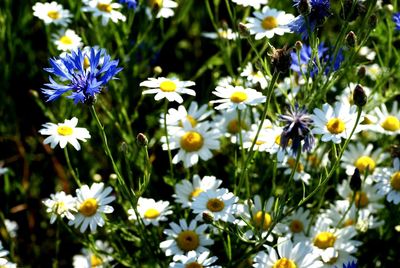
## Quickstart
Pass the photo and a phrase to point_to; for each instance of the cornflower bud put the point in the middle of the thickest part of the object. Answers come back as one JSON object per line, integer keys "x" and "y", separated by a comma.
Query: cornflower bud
{"x": 361, "y": 72}
{"x": 142, "y": 140}
{"x": 351, "y": 39}
{"x": 359, "y": 96}
{"x": 355, "y": 180}
{"x": 298, "y": 45}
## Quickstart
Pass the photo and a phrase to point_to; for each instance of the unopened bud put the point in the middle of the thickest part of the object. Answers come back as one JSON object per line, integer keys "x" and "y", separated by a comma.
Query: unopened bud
{"x": 355, "y": 180}
{"x": 157, "y": 70}
{"x": 142, "y": 140}
{"x": 124, "y": 147}
{"x": 359, "y": 96}
{"x": 281, "y": 59}
{"x": 361, "y": 72}
{"x": 373, "y": 21}
{"x": 304, "y": 7}
{"x": 351, "y": 39}
{"x": 97, "y": 177}
{"x": 34, "y": 93}
{"x": 298, "y": 45}
{"x": 207, "y": 217}
{"x": 395, "y": 151}
{"x": 113, "y": 176}
{"x": 243, "y": 30}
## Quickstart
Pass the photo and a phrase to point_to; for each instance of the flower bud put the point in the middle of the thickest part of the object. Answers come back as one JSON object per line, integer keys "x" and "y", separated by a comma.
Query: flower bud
{"x": 355, "y": 180}
{"x": 157, "y": 70}
{"x": 359, "y": 96}
{"x": 281, "y": 59}
{"x": 361, "y": 72}
{"x": 243, "y": 30}
{"x": 207, "y": 217}
{"x": 142, "y": 140}
{"x": 373, "y": 21}
{"x": 298, "y": 45}
{"x": 97, "y": 177}
{"x": 351, "y": 39}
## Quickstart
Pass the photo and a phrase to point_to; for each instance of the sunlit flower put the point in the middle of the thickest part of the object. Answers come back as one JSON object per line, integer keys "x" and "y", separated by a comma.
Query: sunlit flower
{"x": 254, "y": 76}
{"x": 150, "y": 211}
{"x": 287, "y": 254}
{"x": 100, "y": 258}
{"x": 264, "y": 140}
{"x": 193, "y": 143}
{"x": 92, "y": 203}
{"x": 168, "y": 88}
{"x": 86, "y": 74}
{"x": 289, "y": 164}
{"x": 368, "y": 53}
{"x": 296, "y": 224}
{"x": 374, "y": 71}
{"x": 388, "y": 122}
{"x": 192, "y": 259}
{"x": 236, "y": 97}
{"x": 268, "y": 22}
{"x": 104, "y": 8}
{"x": 335, "y": 123}
{"x": 52, "y": 13}
{"x": 288, "y": 88}
{"x": 252, "y": 3}
{"x": 228, "y": 34}
{"x": 67, "y": 40}
{"x": 184, "y": 238}
{"x": 64, "y": 133}
{"x": 220, "y": 204}
{"x": 61, "y": 205}
{"x": 388, "y": 182}
{"x": 163, "y": 8}
{"x": 186, "y": 191}
{"x": 228, "y": 123}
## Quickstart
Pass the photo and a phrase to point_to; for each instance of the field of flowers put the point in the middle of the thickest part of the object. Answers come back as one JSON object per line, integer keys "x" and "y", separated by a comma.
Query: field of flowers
{"x": 215, "y": 133}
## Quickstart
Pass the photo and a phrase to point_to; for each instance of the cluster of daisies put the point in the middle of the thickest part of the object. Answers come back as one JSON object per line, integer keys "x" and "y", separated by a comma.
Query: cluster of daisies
{"x": 11, "y": 228}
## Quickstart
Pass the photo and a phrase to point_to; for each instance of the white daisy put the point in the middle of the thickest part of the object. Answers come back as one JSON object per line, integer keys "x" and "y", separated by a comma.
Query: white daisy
{"x": 288, "y": 88}
{"x": 289, "y": 164}
{"x": 268, "y": 22}
{"x": 67, "y": 40}
{"x": 64, "y": 133}
{"x": 194, "y": 260}
{"x": 251, "y": 3}
{"x": 186, "y": 191}
{"x": 104, "y": 8}
{"x": 368, "y": 53}
{"x": 101, "y": 258}
{"x": 335, "y": 123}
{"x": 317, "y": 158}
{"x": 164, "y": 8}
{"x": 373, "y": 71}
{"x": 347, "y": 94}
{"x": 61, "y": 205}
{"x": 220, "y": 204}
{"x": 92, "y": 203}
{"x": 286, "y": 254}
{"x": 388, "y": 122}
{"x": 52, "y": 13}
{"x": 168, "y": 88}
{"x": 183, "y": 238}
{"x": 361, "y": 157}
{"x": 296, "y": 224}
{"x": 228, "y": 34}
{"x": 237, "y": 97}
{"x": 366, "y": 198}
{"x": 3, "y": 170}
{"x": 331, "y": 243}
{"x": 254, "y": 76}
{"x": 228, "y": 123}
{"x": 388, "y": 182}
{"x": 12, "y": 227}
{"x": 263, "y": 142}
{"x": 229, "y": 81}
{"x": 150, "y": 211}
{"x": 3, "y": 253}
{"x": 193, "y": 143}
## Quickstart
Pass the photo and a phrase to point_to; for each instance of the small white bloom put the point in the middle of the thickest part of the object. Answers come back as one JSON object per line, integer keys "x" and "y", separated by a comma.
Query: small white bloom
{"x": 64, "y": 133}
{"x": 388, "y": 182}
{"x": 168, "y": 88}
{"x": 98, "y": 259}
{"x": 228, "y": 34}
{"x": 251, "y": 3}
{"x": 374, "y": 71}
{"x": 237, "y": 97}
{"x": 228, "y": 123}
{"x": 12, "y": 227}
{"x": 368, "y": 53}
{"x": 165, "y": 8}
{"x": 192, "y": 259}
{"x": 254, "y": 76}
{"x": 61, "y": 205}
{"x": 289, "y": 164}
{"x": 104, "y": 8}
{"x": 52, "y": 13}
{"x": 92, "y": 203}
{"x": 67, "y": 40}
{"x": 387, "y": 122}
{"x": 268, "y": 22}
{"x": 296, "y": 224}
{"x": 150, "y": 211}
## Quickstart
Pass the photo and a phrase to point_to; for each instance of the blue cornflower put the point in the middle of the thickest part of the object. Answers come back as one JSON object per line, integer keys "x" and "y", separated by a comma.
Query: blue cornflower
{"x": 325, "y": 59}
{"x": 352, "y": 264}
{"x": 318, "y": 11}
{"x": 84, "y": 74}
{"x": 297, "y": 129}
{"x": 396, "y": 20}
{"x": 132, "y": 4}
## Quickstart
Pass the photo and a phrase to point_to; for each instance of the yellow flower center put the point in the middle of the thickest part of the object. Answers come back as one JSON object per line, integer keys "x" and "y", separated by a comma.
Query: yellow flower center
{"x": 238, "y": 96}
{"x": 188, "y": 240}
{"x": 88, "y": 207}
{"x": 335, "y": 126}
{"x": 60, "y": 207}
{"x": 296, "y": 226}
{"x": 262, "y": 218}
{"x": 195, "y": 193}
{"x": 269, "y": 23}
{"x": 155, "y": 3}
{"x": 391, "y": 123}
{"x": 168, "y": 86}
{"x": 86, "y": 62}
{"x": 193, "y": 265}
{"x": 66, "y": 40}
{"x": 104, "y": 7}
{"x": 234, "y": 126}
{"x": 395, "y": 181}
{"x": 365, "y": 162}
{"x": 190, "y": 118}
{"x": 54, "y": 14}
{"x": 361, "y": 199}
{"x": 64, "y": 130}
{"x": 192, "y": 141}
{"x": 292, "y": 163}
{"x": 260, "y": 142}
{"x": 313, "y": 160}
{"x": 95, "y": 260}
{"x": 215, "y": 205}
{"x": 284, "y": 263}
{"x": 348, "y": 222}
{"x": 151, "y": 213}
{"x": 324, "y": 240}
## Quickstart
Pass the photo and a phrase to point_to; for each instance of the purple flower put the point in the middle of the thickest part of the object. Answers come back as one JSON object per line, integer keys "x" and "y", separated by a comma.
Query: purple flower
{"x": 132, "y": 4}
{"x": 297, "y": 129}
{"x": 352, "y": 264}
{"x": 396, "y": 20}
{"x": 82, "y": 74}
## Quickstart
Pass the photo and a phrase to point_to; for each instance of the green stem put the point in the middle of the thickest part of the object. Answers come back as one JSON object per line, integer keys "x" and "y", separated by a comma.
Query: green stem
{"x": 171, "y": 168}
{"x": 71, "y": 169}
